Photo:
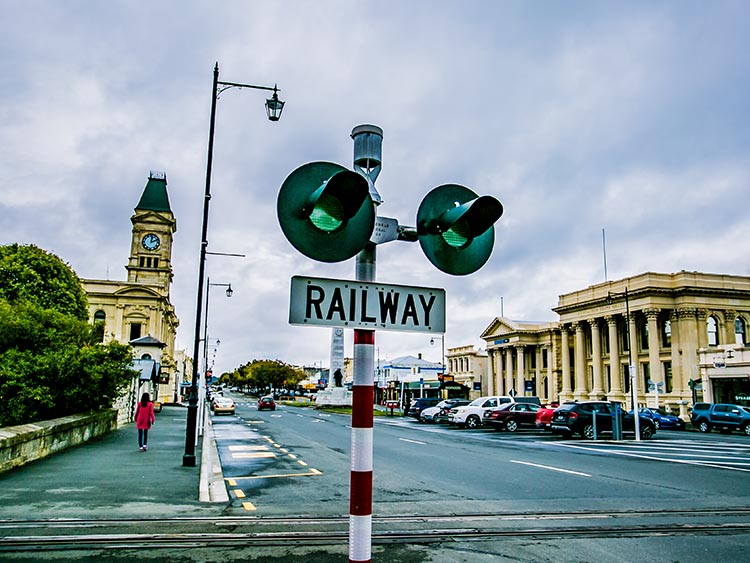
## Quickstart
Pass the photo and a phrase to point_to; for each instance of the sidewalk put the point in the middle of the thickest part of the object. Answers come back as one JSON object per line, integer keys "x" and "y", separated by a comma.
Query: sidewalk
{"x": 109, "y": 478}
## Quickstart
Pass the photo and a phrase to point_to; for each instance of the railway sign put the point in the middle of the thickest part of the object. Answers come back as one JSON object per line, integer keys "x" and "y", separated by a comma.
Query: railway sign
{"x": 367, "y": 305}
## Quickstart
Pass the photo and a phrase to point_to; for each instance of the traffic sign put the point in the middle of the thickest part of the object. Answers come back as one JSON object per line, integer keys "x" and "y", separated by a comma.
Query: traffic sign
{"x": 356, "y": 304}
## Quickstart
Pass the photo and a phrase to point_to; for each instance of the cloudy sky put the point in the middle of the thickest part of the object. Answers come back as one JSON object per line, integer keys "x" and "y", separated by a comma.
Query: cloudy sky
{"x": 631, "y": 117}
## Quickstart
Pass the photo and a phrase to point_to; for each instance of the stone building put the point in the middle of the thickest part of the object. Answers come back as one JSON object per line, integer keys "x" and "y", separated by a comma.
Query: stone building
{"x": 140, "y": 306}
{"x": 663, "y": 325}
{"x": 467, "y": 367}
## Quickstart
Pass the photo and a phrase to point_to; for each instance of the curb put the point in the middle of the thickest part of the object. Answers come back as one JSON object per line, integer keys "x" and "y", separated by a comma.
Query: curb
{"x": 212, "y": 486}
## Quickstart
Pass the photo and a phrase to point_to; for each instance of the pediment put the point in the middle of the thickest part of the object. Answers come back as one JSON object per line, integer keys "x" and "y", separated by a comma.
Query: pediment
{"x": 133, "y": 291}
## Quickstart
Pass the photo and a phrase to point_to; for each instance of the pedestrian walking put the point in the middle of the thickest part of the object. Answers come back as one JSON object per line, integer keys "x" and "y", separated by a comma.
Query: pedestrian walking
{"x": 144, "y": 418}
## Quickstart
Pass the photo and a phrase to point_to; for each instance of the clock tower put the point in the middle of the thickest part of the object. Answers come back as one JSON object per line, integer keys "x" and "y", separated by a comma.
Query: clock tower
{"x": 154, "y": 225}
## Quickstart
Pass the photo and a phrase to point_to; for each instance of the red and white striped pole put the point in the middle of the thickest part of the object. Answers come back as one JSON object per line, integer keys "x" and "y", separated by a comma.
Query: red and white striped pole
{"x": 360, "y": 500}
{"x": 367, "y": 154}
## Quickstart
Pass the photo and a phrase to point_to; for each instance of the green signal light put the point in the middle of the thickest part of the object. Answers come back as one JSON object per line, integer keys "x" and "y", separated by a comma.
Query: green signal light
{"x": 328, "y": 213}
{"x": 458, "y": 235}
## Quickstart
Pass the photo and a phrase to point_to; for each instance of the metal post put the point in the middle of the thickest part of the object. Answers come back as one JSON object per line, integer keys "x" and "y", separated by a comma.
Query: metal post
{"x": 367, "y": 155}
{"x": 632, "y": 370}
{"x": 188, "y": 458}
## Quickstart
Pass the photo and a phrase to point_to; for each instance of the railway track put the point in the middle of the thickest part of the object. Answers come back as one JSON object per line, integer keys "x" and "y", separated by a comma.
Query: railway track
{"x": 75, "y": 534}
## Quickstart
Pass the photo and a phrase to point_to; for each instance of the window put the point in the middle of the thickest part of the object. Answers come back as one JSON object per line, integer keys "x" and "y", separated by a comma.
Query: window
{"x": 712, "y": 327}
{"x": 135, "y": 331}
{"x": 99, "y": 321}
{"x": 668, "y": 377}
{"x": 625, "y": 377}
{"x": 605, "y": 341}
{"x": 622, "y": 331}
{"x": 740, "y": 331}
{"x": 646, "y": 376}
{"x": 666, "y": 333}
{"x": 643, "y": 334}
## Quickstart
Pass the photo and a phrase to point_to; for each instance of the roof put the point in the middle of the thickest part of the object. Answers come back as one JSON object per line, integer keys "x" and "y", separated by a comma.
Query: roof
{"x": 154, "y": 197}
{"x": 147, "y": 340}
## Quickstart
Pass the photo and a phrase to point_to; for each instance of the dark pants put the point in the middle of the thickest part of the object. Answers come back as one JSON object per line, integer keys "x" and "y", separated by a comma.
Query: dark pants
{"x": 142, "y": 438}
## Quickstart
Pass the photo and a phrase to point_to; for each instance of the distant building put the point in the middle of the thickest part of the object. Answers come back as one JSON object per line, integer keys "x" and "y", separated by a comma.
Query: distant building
{"x": 682, "y": 332}
{"x": 140, "y": 306}
{"x": 467, "y": 367}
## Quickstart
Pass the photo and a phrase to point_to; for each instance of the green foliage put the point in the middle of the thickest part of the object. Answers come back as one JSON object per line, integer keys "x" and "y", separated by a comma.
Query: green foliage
{"x": 263, "y": 374}
{"x": 28, "y": 273}
{"x": 51, "y": 361}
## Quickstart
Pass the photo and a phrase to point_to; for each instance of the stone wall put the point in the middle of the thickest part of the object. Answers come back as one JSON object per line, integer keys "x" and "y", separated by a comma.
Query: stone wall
{"x": 28, "y": 442}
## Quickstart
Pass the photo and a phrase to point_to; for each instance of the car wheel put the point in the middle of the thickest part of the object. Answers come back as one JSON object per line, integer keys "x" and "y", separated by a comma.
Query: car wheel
{"x": 473, "y": 421}
{"x": 746, "y": 429}
{"x": 656, "y": 423}
{"x": 588, "y": 432}
{"x": 646, "y": 432}
{"x": 704, "y": 426}
{"x": 511, "y": 425}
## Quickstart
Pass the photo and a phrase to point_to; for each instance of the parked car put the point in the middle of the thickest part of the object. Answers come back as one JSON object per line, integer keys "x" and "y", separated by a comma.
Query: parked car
{"x": 512, "y": 415}
{"x": 439, "y": 413}
{"x": 266, "y": 402}
{"x": 223, "y": 405}
{"x": 472, "y": 415}
{"x": 544, "y": 416}
{"x": 578, "y": 418}
{"x": 418, "y": 405}
{"x": 723, "y": 416}
{"x": 663, "y": 420}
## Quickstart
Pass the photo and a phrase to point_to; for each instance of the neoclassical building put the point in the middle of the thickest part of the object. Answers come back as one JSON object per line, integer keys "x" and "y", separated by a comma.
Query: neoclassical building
{"x": 468, "y": 367}
{"x": 670, "y": 328}
{"x": 140, "y": 307}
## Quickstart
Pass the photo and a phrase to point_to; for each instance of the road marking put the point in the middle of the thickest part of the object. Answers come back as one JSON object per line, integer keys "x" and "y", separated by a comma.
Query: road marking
{"x": 318, "y": 420}
{"x": 413, "y": 441}
{"x": 550, "y": 468}
{"x": 253, "y": 455}
{"x": 239, "y": 493}
{"x": 248, "y": 506}
{"x": 231, "y": 482}
{"x": 302, "y": 463}
{"x": 256, "y": 421}
{"x": 283, "y": 450}
{"x": 246, "y": 448}
{"x": 292, "y": 456}
{"x": 312, "y": 472}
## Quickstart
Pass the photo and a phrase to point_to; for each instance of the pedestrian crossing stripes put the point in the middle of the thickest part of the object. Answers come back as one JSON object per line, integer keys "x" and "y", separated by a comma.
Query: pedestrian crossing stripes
{"x": 722, "y": 455}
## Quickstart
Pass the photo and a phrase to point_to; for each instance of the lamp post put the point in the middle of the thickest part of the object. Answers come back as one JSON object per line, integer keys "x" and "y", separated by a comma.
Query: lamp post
{"x": 631, "y": 366}
{"x": 274, "y": 106}
{"x": 442, "y": 352}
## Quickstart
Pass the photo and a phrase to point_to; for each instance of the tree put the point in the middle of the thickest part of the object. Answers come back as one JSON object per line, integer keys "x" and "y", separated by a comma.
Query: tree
{"x": 51, "y": 361}
{"x": 28, "y": 273}
{"x": 264, "y": 374}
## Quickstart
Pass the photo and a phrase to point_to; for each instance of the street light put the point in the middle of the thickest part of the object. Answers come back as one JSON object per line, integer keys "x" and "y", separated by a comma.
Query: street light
{"x": 631, "y": 367}
{"x": 274, "y": 106}
{"x": 442, "y": 353}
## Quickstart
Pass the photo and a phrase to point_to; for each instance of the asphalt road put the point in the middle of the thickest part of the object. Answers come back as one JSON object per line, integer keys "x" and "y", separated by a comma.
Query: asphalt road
{"x": 441, "y": 495}
{"x": 437, "y": 469}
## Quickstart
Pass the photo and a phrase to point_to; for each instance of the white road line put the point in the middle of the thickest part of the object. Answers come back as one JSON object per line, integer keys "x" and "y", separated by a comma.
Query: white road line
{"x": 413, "y": 441}
{"x": 550, "y": 468}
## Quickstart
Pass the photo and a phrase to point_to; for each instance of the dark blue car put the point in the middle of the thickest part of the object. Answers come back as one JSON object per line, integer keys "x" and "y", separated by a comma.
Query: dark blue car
{"x": 662, "y": 419}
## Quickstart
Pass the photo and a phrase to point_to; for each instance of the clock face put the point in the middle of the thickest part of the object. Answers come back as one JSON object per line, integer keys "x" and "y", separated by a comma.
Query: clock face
{"x": 150, "y": 241}
{"x": 339, "y": 331}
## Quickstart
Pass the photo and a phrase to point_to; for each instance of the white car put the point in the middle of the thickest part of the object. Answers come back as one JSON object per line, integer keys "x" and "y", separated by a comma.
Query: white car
{"x": 472, "y": 415}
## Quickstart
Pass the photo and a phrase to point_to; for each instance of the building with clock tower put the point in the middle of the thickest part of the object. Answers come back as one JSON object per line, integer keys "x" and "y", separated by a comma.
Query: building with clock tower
{"x": 139, "y": 309}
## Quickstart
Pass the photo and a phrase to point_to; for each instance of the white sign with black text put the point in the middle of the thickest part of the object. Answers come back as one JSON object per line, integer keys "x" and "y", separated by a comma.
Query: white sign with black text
{"x": 377, "y": 306}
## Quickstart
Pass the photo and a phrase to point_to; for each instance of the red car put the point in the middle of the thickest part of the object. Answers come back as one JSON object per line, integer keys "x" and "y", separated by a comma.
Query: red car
{"x": 511, "y": 415}
{"x": 544, "y": 416}
{"x": 266, "y": 403}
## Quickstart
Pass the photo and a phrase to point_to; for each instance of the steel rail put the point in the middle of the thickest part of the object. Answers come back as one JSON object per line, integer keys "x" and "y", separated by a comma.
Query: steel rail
{"x": 131, "y": 541}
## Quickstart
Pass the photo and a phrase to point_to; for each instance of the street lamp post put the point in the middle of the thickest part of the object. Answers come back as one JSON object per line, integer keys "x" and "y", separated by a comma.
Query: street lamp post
{"x": 274, "y": 106}
{"x": 442, "y": 352}
{"x": 631, "y": 366}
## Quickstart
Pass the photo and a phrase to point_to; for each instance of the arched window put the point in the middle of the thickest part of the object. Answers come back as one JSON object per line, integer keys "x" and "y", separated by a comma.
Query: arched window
{"x": 740, "y": 331}
{"x": 712, "y": 327}
{"x": 99, "y": 320}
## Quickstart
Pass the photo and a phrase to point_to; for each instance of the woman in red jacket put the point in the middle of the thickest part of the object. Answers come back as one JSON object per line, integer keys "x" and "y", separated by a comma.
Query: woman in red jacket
{"x": 144, "y": 418}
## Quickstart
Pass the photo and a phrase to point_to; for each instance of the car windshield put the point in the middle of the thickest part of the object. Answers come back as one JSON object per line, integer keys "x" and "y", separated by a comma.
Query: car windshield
{"x": 478, "y": 402}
